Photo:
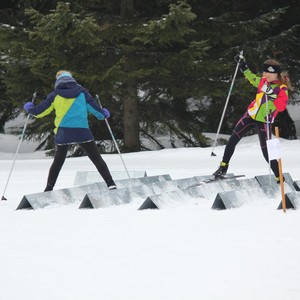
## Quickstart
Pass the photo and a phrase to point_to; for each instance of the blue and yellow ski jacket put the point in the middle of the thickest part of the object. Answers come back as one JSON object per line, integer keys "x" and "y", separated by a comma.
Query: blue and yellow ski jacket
{"x": 71, "y": 103}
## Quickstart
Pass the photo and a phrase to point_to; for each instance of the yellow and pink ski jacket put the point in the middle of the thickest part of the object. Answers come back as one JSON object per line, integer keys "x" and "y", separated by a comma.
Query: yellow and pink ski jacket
{"x": 264, "y": 108}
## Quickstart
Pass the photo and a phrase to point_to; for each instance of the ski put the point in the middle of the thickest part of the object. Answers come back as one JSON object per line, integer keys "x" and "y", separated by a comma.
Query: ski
{"x": 213, "y": 179}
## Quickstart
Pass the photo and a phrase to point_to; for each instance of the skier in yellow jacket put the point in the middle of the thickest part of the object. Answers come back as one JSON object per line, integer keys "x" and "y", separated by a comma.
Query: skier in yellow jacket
{"x": 271, "y": 98}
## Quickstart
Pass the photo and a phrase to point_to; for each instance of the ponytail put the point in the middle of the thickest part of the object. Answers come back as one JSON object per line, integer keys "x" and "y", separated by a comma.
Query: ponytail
{"x": 285, "y": 79}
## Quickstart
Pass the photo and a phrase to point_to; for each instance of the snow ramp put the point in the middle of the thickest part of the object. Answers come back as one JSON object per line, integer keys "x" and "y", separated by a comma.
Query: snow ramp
{"x": 77, "y": 193}
{"x": 195, "y": 194}
{"x": 161, "y": 192}
{"x": 225, "y": 194}
{"x": 133, "y": 193}
{"x": 292, "y": 200}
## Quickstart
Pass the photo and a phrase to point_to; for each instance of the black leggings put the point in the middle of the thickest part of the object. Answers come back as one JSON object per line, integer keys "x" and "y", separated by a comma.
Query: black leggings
{"x": 90, "y": 149}
{"x": 241, "y": 128}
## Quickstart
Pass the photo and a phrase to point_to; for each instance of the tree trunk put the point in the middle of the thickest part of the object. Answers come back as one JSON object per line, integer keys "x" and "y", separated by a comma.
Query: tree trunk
{"x": 131, "y": 120}
{"x": 127, "y": 9}
{"x": 130, "y": 98}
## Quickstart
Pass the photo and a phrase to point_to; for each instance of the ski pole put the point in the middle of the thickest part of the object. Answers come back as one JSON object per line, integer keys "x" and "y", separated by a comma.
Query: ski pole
{"x": 114, "y": 140}
{"x": 283, "y": 201}
{"x": 268, "y": 133}
{"x": 226, "y": 103}
{"x": 19, "y": 145}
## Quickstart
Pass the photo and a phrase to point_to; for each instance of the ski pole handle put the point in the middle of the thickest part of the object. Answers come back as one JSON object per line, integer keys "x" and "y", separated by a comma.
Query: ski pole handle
{"x": 33, "y": 97}
{"x": 241, "y": 56}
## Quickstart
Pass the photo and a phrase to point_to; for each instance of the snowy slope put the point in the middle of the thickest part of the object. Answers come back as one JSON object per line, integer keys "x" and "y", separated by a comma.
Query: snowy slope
{"x": 190, "y": 252}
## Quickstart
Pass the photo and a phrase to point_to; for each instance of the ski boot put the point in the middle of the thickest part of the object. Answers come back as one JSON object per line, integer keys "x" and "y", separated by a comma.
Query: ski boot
{"x": 278, "y": 179}
{"x": 111, "y": 184}
{"x": 221, "y": 171}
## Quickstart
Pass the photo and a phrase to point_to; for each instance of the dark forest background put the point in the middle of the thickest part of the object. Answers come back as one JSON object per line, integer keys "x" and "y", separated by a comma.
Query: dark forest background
{"x": 162, "y": 68}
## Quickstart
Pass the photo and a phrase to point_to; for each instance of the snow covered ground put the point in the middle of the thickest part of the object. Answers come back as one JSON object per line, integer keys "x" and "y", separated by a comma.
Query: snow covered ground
{"x": 119, "y": 253}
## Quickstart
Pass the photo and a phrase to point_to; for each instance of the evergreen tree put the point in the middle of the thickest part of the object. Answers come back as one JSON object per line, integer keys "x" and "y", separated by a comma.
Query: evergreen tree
{"x": 161, "y": 66}
{"x": 54, "y": 41}
{"x": 145, "y": 59}
{"x": 15, "y": 84}
{"x": 125, "y": 54}
{"x": 174, "y": 62}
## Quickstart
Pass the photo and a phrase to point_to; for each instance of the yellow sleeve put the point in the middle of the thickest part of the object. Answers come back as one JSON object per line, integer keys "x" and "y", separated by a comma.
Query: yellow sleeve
{"x": 253, "y": 79}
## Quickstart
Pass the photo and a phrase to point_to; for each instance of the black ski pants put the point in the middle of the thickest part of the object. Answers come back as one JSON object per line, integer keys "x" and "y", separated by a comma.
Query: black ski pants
{"x": 244, "y": 125}
{"x": 61, "y": 151}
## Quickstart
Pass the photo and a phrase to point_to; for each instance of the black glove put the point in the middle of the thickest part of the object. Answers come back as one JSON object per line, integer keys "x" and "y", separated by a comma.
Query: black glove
{"x": 242, "y": 62}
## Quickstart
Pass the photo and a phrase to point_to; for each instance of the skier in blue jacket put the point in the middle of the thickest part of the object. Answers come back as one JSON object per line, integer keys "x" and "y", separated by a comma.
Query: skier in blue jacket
{"x": 71, "y": 103}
